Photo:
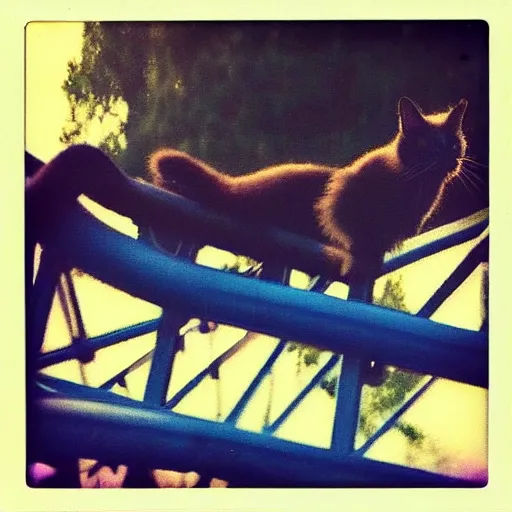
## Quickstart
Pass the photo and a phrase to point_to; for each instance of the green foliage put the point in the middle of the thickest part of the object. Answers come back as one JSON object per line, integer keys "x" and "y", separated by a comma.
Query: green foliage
{"x": 94, "y": 90}
{"x": 393, "y": 295}
{"x": 329, "y": 385}
{"x": 379, "y": 402}
{"x": 393, "y": 391}
{"x": 411, "y": 432}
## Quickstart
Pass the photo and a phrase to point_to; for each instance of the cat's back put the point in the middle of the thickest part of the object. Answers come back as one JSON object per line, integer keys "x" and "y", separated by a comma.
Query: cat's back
{"x": 282, "y": 195}
{"x": 279, "y": 178}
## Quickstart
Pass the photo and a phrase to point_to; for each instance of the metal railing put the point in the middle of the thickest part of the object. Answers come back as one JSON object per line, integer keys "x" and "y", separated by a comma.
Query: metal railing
{"x": 158, "y": 437}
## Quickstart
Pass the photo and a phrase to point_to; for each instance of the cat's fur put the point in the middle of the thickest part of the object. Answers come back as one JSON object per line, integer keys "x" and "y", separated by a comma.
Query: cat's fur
{"x": 365, "y": 208}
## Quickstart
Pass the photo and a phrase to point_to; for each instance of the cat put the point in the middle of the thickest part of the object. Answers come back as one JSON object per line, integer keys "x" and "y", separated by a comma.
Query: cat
{"x": 363, "y": 209}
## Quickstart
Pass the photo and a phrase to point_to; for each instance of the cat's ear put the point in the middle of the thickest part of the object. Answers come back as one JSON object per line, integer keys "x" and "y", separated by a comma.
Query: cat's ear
{"x": 456, "y": 116}
{"x": 409, "y": 114}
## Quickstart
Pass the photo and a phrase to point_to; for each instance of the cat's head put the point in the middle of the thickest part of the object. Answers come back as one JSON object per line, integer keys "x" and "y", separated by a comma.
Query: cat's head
{"x": 431, "y": 143}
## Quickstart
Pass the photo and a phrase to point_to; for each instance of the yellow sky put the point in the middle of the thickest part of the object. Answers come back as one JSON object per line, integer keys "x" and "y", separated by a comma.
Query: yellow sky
{"x": 51, "y": 45}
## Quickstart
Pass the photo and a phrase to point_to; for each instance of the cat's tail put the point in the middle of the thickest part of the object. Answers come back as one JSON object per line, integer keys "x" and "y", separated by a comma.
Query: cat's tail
{"x": 183, "y": 174}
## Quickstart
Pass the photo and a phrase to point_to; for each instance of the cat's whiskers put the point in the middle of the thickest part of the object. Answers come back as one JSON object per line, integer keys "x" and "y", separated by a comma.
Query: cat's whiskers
{"x": 465, "y": 185}
{"x": 463, "y": 179}
{"x": 469, "y": 173}
{"x": 408, "y": 171}
{"x": 411, "y": 171}
{"x": 424, "y": 170}
{"x": 464, "y": 176}
{"x": 472, "y": 173}
{"x": 472, "y": 162}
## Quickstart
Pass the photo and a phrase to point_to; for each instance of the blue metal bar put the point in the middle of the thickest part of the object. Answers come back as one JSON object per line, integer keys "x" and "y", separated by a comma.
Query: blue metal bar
{"x": 275, "y": 272}
{"x": 270, "y": 429}
{"x": 168, "y": 342}
{"x": 42, "y": 296}
{"x": 47, "y": 385}
{"x": 212, "y": 228}
{"x": 446, "y": 242}
{"x": 456, "y": 278}
{"x": 371, "y": 332}
{"x": 348, "y": 396}
{"x": 214, "y": 365}
{"x": 284, "y": 276}
{"x": 75, "y": 306}
{"x": 318, "y": 284}
{"x": 163, "y": 358}
{"x": 239, "y": 407}
{"x": 98, "y": 342}
{"x": 76, "y": 327}
{"x": 110, "y": 383}
{"x": 391, "y": 421}
{"x": 64, "y": 302}
{"x": 156, "y": 438}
